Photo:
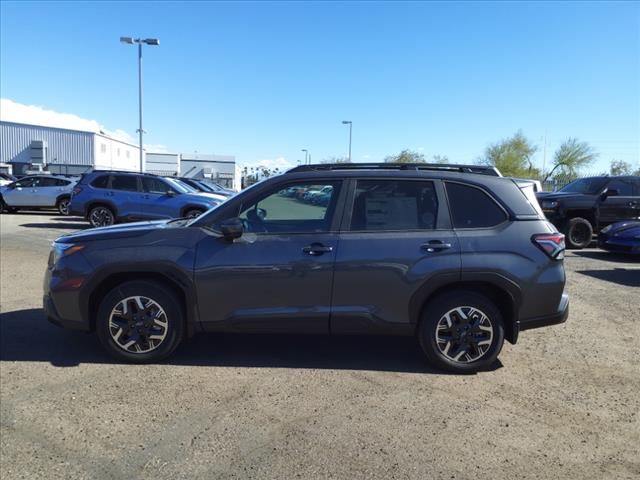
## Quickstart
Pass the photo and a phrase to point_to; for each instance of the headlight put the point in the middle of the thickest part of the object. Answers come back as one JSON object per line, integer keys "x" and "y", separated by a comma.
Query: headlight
{"x": 63, "y": 250}
{"x": 549, "y": 204}
{"x": 606, "y": 229}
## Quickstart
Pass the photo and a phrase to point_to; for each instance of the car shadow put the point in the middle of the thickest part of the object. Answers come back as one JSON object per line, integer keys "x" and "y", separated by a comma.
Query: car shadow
{"x": 61, "y": 225}
{"x": 608, "y": 256}
{"x": 26, "y": 336}
{"x": 621, "y": 276}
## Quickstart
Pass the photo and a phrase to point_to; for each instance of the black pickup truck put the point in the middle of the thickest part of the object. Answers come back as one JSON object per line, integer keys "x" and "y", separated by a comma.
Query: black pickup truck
{"x": 586, "y": 205}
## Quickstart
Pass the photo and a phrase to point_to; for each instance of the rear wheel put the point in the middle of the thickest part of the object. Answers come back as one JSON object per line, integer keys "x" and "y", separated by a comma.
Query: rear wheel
{"x": 578, "y": 233}
{"x": 101, "y": 216}
{"x": 140, "y": 322}
{"x": 63, "y": 206}
{"x": 461, "y": 331}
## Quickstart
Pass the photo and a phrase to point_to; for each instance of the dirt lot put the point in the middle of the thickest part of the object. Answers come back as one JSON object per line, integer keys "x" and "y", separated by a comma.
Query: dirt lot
{"x": 563, "y": 403}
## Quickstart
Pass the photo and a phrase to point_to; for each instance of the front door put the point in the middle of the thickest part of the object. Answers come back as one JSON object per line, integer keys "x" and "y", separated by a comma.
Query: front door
{"x": 22, "y": 193}
{"x": 277, "y": 277}
{"x": 395, "y": 243}
{"x": 618, "y": 207}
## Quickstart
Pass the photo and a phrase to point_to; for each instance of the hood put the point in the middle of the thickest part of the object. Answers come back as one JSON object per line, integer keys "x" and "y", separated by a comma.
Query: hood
{"x": 629, "y": 229}
{"x": 559, "y": 195}
{"x": 113, "y": 231}
{"x": 214, "y": 196}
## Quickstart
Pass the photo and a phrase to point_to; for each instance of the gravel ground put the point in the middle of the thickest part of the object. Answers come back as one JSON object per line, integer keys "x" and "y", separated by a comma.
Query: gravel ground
{"x": 563, "y": 403}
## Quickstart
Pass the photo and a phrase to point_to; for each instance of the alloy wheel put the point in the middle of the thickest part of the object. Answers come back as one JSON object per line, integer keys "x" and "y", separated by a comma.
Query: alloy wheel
{"x": 63, "y": 207}
{"x": 101, "y": 217}
{"x": 464, "y": 334}
{"x": 138, "y": 324}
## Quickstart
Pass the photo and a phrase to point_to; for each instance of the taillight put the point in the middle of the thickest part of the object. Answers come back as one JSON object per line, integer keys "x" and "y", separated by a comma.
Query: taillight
{"x": 76, "y": 190}
{"x": 550, "y": 243}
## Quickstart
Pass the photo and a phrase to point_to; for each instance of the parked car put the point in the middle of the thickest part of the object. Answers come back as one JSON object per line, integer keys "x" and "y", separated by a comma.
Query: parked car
{"x": 202, "y": 186}
{"x": 587, "y": 205}
{"x": 621, "y": 237}
{"x": 460, "y": 260}
{"x": 6, "y": 179}
{"x": 217, "y": 187}
{"x": 105, "y": 198}
{"x": 200, "y": 189}
{"x": 311, "y": 194}
{"x": 37, "y": 192}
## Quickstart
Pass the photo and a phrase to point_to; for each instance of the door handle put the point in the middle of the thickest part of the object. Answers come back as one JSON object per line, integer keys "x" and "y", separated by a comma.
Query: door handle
{"x": 316, "y": 249}
{"x": 146, "y": 197}
{"x": 435, "y": 246}
{"x": 632, "y": 204}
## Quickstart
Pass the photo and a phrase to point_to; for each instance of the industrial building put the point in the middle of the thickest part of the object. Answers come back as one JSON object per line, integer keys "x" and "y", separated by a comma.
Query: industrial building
{"x": 33, "y": 148}
{"x": 26, "y": 148}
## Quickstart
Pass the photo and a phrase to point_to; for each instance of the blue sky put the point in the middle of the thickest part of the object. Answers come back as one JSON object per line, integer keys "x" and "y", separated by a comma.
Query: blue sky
{"x": 263, "y": 80}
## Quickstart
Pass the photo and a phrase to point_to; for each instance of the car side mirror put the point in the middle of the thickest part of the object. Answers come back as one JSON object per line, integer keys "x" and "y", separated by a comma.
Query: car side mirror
{"x": 611, "y": 192}
{"x": 232, "y": 228}
{"x": 171, "y": 193}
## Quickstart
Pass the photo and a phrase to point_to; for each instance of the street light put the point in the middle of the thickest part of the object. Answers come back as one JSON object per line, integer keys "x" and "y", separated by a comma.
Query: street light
{"x": 306, "y": 155}
{"x": 350, "y": 123}
{"x": 140, "y": 41}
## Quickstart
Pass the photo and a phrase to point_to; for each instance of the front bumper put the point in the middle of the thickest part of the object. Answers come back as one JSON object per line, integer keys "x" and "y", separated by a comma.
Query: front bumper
{"x": 619, "y": 245}
{"x": 54, "y": 317}
{"x": 560, "y": 316}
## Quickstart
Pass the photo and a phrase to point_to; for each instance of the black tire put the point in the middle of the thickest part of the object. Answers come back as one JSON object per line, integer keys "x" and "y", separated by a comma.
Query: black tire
{"x": 193, "y": 212}
{"x": 435, "y": 311}
{"x": 578, "y": 233}
{"x": 173, "y": 318}
{"x": 101, "y": 216}
{"x": 4, "y": 208}
{"x": 63, "y": 205}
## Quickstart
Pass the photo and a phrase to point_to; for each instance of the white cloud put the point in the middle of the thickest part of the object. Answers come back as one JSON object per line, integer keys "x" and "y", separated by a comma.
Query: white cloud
{"x": 15, "y": 112}
{"x": 365, "y": 157}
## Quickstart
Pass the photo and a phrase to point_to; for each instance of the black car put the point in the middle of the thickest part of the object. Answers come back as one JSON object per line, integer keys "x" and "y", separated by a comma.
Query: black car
{"x": 621, "y": 237}
{"x": 461, "y": 260}
{"x": 585, "y": 206}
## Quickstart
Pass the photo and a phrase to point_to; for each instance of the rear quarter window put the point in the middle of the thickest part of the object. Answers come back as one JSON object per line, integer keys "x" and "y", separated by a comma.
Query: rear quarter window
{"x": 471, "y": 207}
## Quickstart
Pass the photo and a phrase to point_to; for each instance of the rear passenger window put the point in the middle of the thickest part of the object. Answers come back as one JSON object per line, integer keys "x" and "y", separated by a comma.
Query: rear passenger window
{"x": 48, "y": 182}
{"x": 101, "y": 182}
{"x": 472, "y": 208}
{"x": 394, "y": 205}
{"x": 61, "y": 183}
{"x": 125, "y": 182}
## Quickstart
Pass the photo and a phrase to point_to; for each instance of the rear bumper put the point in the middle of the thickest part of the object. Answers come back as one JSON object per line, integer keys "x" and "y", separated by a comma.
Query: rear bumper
{"x": 560, "y": 316}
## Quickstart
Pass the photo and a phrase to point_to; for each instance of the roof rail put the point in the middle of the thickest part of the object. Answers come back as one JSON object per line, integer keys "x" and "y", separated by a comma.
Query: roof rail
{"x": 445, "y": 167}
{"x": 98, "y": 170}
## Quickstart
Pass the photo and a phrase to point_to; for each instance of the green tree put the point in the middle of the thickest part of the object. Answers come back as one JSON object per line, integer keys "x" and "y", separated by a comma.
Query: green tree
{"x": 512, "y": 156}
{"x": 620, "y": 167}
{"x": 570, "y": 157}
{"x": 405, "y": 156}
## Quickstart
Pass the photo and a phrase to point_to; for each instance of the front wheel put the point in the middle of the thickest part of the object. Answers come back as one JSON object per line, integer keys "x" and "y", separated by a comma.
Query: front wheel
{"x": 193, "y": 213}
{"x": 461, "y": 331}
{"x": 140, "y": 322}
{"x": 578, "y": 233}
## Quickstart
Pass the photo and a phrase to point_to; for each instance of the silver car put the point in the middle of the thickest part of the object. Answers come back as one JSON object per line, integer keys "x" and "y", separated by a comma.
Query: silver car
{"x": 38, "y": 191}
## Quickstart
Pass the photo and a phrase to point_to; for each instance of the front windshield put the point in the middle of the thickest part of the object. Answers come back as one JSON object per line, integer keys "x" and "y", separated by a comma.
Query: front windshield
{"x": 181, "y": 187}
{"x": 589, "y": 186}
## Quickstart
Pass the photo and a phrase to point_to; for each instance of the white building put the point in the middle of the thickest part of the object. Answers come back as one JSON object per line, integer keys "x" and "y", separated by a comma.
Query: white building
{"x": 25, "y": 147}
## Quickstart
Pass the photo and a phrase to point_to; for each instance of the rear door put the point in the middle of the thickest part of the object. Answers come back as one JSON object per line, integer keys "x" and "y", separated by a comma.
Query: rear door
{"x": 49, "y": 188}
{"x": 395, "y": 241}
{"x": 125, "y": 193}
{"x": 615, "y": 208}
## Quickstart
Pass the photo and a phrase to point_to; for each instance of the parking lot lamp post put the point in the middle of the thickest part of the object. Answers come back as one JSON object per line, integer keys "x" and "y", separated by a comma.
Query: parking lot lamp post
{"x": 306, "y": 155}
{"x": 140, "y": 41}
{"x": 350, "y": 123}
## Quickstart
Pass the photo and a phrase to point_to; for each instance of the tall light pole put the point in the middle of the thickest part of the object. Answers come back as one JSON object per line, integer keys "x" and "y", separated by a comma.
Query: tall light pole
{"x": 140, "y": 41}
{"x": 306, "y": 155}
{"x": 350, "y": 123}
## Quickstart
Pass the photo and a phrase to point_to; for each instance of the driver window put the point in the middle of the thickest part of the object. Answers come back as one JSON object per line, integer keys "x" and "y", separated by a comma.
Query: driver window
{"x": 296, "y": 208}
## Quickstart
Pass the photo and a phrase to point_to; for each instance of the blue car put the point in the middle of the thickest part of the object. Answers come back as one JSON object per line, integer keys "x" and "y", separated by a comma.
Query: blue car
{"x": 621, "y": 237}
{"x": 105, "y": 198}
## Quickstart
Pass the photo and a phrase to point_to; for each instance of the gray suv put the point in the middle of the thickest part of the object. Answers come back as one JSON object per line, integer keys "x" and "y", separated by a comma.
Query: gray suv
{"x": 460, "y": 259}
{"x": 36, "y": 192}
